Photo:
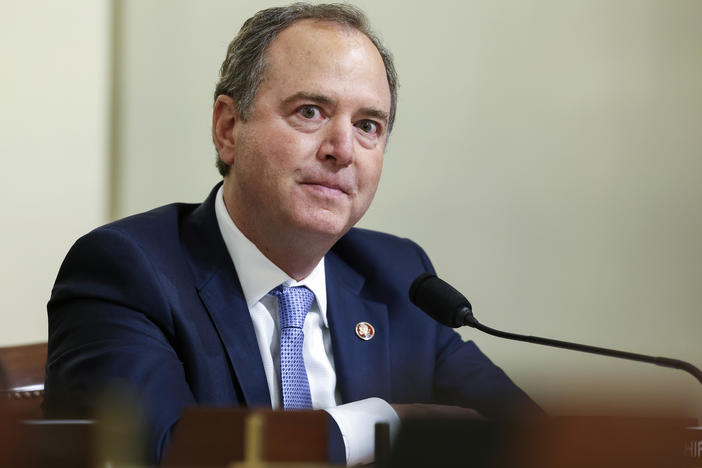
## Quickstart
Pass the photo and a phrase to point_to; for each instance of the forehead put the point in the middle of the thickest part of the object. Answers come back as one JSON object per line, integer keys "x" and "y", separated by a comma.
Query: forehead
{"x": 317, "y": 55}
{"x": 312, "y": 34}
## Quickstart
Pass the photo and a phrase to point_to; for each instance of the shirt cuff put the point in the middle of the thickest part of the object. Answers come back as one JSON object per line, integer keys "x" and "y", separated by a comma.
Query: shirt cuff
{"x": 356, "y": 422}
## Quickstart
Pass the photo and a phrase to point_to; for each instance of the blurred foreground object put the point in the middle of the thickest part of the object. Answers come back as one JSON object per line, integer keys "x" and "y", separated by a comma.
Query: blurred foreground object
{"x": 226, "y": 437}
{"x": 216, "y": 437}
{"x": 572, "y": 442}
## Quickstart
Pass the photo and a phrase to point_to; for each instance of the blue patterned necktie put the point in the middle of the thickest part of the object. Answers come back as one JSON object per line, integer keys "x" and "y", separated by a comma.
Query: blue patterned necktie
{"x": 293, "y": 305}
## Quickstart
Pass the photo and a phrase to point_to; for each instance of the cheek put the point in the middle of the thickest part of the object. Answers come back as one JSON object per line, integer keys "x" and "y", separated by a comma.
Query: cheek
{"x": 370, "y": 172}
{"x": 260, "y": 152}
{"x": 290, "y": 149}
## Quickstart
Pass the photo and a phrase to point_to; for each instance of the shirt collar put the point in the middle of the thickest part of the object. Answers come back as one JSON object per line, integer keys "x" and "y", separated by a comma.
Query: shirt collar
{"x": 257, "y": 274}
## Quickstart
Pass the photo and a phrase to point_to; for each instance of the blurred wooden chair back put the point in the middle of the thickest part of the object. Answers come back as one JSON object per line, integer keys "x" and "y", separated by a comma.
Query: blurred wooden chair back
{"x": 22, "y": 379}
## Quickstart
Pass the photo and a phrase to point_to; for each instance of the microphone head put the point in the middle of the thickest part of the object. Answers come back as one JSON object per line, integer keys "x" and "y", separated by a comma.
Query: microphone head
{"x": 440, "y": 300}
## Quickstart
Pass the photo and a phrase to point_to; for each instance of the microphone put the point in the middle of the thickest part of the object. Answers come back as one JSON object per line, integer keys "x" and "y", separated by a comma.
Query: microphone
{"x": 446, "y": 305}
{"x": 441, "y": 301}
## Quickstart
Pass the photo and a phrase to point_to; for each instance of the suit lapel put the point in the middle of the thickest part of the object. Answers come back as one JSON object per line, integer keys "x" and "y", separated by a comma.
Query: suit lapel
{"x": 220, "y": 291}
{"x": 362, "y": 367}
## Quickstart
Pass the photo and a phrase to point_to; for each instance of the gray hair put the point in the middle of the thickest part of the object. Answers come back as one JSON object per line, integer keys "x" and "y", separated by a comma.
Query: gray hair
{"x": 244, "y": 66}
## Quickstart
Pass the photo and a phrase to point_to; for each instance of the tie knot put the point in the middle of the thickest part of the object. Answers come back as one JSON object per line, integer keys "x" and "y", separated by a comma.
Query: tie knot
{"x": 293, "y": 305}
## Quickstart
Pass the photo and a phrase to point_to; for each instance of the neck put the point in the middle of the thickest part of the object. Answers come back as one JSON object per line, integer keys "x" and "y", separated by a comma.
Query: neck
{"x": 297, "y": 257}
{"x": 296, "y": 253}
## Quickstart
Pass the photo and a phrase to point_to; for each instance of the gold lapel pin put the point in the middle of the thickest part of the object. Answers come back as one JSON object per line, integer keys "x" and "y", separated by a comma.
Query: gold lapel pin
{"x": 365, "y": 331}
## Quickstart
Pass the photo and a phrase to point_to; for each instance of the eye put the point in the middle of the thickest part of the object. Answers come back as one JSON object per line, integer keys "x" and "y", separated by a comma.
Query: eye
{"x": 309, "y": 112}
{"x": 368, "y": 126}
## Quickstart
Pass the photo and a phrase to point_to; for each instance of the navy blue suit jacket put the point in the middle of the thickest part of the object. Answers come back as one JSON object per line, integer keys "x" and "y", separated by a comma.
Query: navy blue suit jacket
{"x": 152, "y": 302}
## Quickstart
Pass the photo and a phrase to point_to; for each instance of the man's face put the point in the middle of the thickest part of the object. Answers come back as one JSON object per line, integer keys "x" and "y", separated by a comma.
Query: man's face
{"x": 309, "y": 157}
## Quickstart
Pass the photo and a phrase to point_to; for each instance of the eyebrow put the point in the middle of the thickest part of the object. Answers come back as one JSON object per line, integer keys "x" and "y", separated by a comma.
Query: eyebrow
{"x": 302, "y": 95}
{"x": 377, "y": 113}
{"x": 326, "y": 100}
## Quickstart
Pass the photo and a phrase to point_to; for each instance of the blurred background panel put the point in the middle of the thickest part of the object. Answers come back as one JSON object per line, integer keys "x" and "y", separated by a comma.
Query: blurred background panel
{"x": 54, "y": 145}
{"x": 547, "y": 155}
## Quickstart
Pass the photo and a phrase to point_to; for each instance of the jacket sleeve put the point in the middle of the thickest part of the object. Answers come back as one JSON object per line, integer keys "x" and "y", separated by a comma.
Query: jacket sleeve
{"x": 110, "y": 330}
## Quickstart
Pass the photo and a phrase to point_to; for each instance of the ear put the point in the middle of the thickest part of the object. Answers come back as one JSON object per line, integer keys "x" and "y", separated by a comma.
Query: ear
{"x": 224, "y": 116}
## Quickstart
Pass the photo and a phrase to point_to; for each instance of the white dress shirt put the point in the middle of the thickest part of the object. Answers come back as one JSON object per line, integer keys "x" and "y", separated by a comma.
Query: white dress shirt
{"x": 258, "y": 276}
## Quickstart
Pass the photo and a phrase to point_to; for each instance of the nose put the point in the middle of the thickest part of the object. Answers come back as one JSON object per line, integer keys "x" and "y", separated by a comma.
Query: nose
{"x": 338, "y": 143}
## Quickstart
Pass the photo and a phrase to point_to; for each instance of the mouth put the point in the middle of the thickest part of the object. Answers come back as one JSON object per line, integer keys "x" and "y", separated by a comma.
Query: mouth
{"x": 328, "y": 188}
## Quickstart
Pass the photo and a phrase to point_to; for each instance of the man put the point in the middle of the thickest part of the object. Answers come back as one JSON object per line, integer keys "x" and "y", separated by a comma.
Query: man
{"x": 187, "y": 304}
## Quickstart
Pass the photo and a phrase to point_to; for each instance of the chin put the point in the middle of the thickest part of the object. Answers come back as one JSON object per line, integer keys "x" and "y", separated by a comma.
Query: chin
{"x": 325, "y": 225}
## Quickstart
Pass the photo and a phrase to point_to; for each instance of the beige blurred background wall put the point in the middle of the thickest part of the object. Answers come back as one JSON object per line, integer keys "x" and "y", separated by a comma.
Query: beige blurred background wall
{"x": 54, "y": 95}
{"x": 547, "y": 155}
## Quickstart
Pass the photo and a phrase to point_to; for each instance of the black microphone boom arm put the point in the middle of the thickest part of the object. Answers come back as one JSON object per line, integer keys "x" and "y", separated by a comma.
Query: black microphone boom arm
{"x": 444, "y": 303}
{"x": 660, "y": 361}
